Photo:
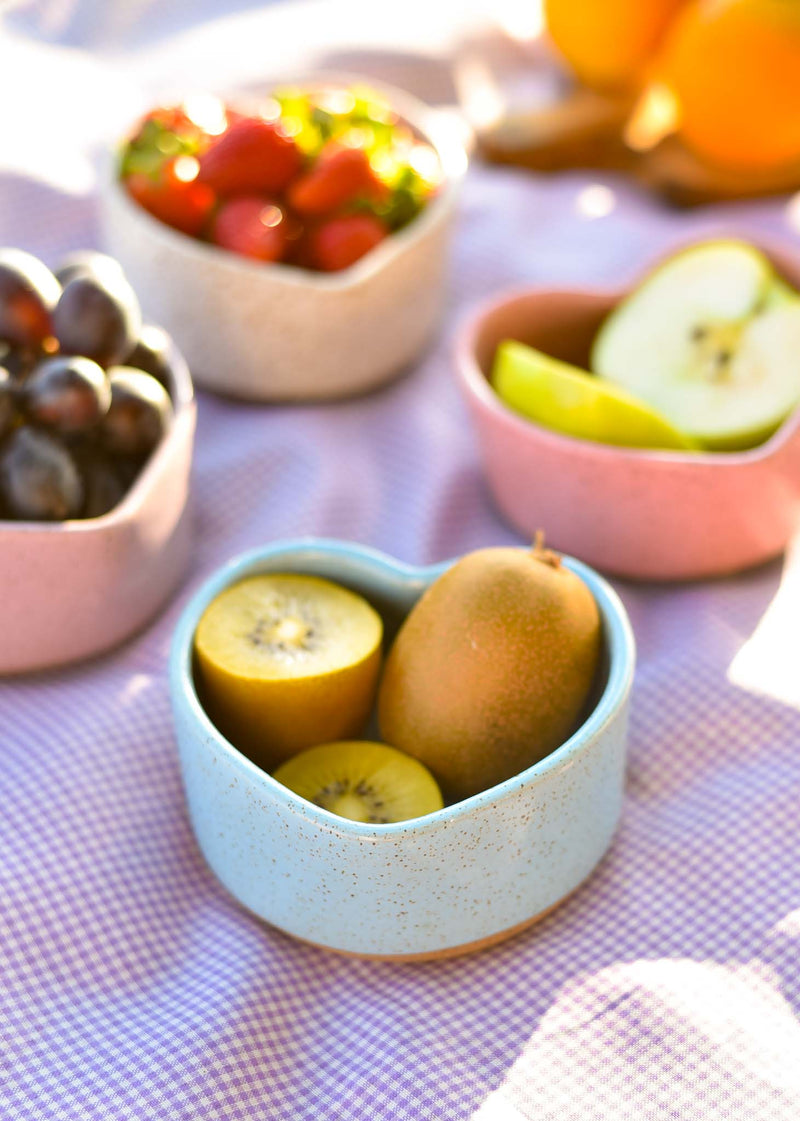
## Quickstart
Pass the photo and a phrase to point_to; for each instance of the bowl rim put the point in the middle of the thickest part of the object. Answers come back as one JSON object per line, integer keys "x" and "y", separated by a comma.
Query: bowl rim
{"x": 435, "y": 125}
{"x": 477, "y": 387}
{"x": 618, "y": 635}
{"x": 133, "y": 499}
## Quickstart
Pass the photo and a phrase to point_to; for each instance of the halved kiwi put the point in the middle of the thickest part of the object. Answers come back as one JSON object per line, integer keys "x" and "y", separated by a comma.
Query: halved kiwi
{"x": 363, "y": 781}
{"x": 286, "y": 661}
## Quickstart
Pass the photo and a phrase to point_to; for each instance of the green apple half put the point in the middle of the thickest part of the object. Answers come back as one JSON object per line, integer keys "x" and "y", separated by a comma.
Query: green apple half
{"x": 711, "y": 339}
{"x": 565, "y": 398}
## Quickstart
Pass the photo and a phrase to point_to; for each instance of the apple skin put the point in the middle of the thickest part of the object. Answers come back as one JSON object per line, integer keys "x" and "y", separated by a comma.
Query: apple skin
{"x": 780, "y": 293}
{"x": 572, "y": 401}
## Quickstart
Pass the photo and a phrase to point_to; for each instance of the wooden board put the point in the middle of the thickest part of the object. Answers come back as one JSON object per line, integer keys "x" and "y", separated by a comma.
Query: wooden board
{"x": 543, "y": 120}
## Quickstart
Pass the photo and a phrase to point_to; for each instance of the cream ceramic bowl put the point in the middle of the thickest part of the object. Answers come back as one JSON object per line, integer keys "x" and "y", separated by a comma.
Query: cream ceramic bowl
{"x": 274, "y": 332}
{"x": 653, "y": 515}
{"x": 454, "y": 881}
{"x": 73, "y": 589}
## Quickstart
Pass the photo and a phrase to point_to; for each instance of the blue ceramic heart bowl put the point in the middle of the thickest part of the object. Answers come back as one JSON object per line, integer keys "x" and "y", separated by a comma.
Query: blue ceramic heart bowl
{"x": 455, "y": 881}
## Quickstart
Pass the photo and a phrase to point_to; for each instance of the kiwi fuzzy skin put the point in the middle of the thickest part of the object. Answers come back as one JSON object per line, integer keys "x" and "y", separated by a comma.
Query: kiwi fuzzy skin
{"x": 492, "y": 669}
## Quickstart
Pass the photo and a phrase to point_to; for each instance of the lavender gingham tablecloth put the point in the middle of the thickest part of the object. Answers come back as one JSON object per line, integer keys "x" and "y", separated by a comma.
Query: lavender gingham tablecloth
{"x": 131, "y": 985}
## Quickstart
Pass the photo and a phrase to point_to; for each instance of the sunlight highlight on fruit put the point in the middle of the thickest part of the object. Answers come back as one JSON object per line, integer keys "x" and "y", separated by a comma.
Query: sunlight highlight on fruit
{"x": 337, "y": 101}
{"x": 186, "y": 169}
{"x": 269, "y": 109}
{"x": 654, "y": 117}
{"x": 207, "y": 112}
{"x": 271, "y": 216}
{"x": 425, "y": 162}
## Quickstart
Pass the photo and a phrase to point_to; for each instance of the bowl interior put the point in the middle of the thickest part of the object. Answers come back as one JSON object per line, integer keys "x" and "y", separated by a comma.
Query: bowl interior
{"x": 561, "y": 323}
{"x": 181, "y": 391}
{"x": 431, "y": 125}
{"x": 393, "y": 589}
{"x": 564, "y": 322}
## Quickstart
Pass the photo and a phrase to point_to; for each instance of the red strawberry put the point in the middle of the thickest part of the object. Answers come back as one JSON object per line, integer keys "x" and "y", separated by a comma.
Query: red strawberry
{"x": 251, "y": 155}
{"x": 253, "y": 226}
{"x": 339, "y": 176}
{"x": 340, "y": 242}
{"x": 173, "y": 194}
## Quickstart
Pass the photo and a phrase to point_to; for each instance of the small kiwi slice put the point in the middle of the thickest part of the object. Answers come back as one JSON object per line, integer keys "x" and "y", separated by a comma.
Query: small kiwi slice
{"x": 362, "y": 781}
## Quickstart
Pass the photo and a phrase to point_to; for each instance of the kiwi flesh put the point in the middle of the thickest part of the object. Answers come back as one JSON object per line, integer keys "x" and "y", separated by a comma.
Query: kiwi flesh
{"x": 287, "y": 660}
{"x": 362, "y": 781}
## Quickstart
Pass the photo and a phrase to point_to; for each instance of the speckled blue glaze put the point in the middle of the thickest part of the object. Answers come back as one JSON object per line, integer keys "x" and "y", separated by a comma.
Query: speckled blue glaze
{"x": 459, "y": 876}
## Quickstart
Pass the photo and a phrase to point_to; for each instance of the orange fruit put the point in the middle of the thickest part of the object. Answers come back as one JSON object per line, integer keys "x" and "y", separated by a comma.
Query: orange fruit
{"x": 608, "y": 43}
{"x": 734, "y": 69}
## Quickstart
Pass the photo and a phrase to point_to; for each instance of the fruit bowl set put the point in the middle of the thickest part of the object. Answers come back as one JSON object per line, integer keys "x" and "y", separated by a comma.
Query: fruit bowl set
{"x": 504, "y": 851}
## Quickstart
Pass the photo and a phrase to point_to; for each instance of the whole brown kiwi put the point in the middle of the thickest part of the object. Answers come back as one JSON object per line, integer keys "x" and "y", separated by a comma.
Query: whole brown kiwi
{"x": 492, "y": 668}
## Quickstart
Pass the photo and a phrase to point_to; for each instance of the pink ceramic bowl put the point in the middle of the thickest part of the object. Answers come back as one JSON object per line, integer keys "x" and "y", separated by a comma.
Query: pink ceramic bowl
{"x": 652, "y": 515}
{"x": 72, "y": 589}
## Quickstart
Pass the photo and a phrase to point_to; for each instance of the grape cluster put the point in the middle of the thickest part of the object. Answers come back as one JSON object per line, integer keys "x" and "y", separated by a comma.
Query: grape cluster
{"x": 84, "y": 387}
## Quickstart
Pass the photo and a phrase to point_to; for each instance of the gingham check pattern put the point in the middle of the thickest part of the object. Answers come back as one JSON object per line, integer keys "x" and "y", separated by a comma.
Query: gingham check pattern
{"x": 134, "y": 987}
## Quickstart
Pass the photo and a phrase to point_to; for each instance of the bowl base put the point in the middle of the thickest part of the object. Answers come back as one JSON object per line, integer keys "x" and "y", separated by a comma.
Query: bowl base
{"x": 461, "y": 950}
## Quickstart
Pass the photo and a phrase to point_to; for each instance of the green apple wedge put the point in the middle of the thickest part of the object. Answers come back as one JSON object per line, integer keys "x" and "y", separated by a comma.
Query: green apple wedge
{"x": 569, "y": 400}
{"x": 711, "y": 340}
{"x": 779, "y": 293}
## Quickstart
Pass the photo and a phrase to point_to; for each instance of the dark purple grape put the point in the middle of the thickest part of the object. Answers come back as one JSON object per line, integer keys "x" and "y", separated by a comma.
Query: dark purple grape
{"x": 68, "y": 394}
{"x": 152, "y": 354}
{"x": 103, "y": 486}
{"x": 128, "y": 467}
{"x": 38, "y": 478}
{"x": 18, "y": 360}
{"x": 87, "y": 262}
{"x": 139, "y": 415}
{"x": 8, "y": 404}
{"x": 28, "y": 295}
{"x": 97, "y": 317}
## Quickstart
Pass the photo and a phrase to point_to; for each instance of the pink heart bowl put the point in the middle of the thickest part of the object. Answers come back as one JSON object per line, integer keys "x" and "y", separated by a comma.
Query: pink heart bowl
{"x": 650, "y": 515}
{"x": 73, "y": 589}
